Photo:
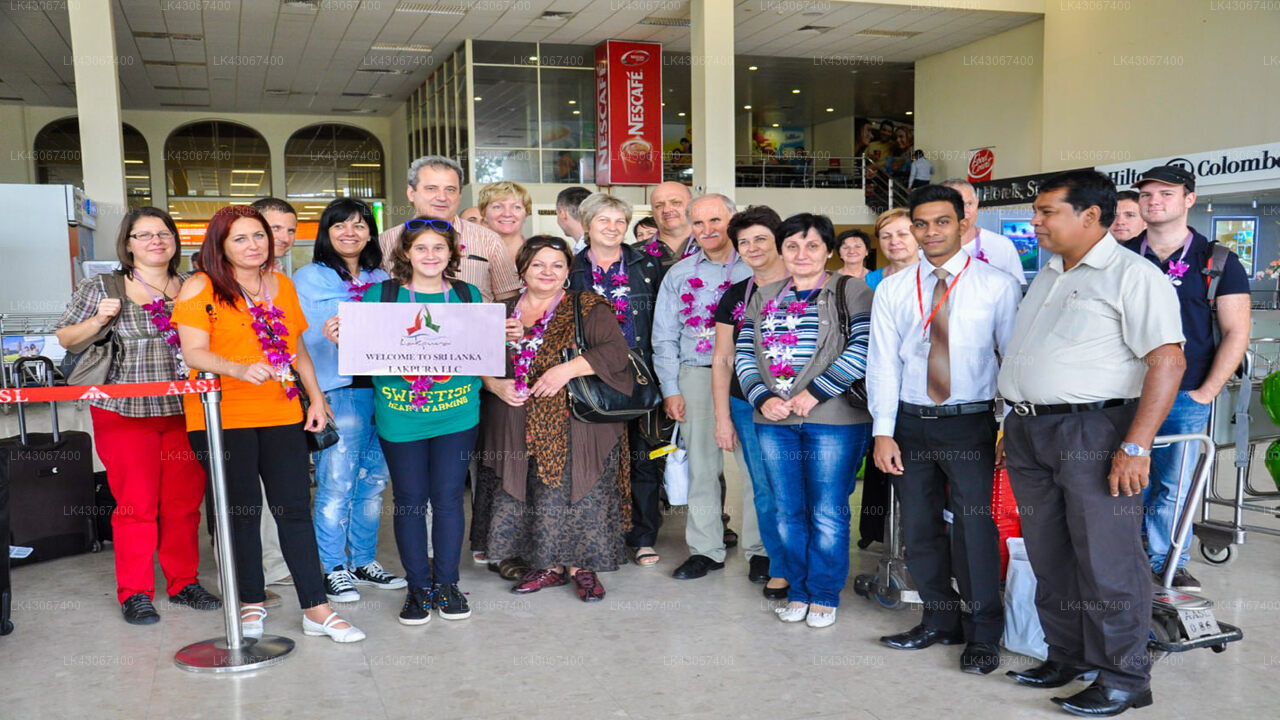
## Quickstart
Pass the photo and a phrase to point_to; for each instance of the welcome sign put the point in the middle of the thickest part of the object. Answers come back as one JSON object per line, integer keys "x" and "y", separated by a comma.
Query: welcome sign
{"x": 422, "y": 339}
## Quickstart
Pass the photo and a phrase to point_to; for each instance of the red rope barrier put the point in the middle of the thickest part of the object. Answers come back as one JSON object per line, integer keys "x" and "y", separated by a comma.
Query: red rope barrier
{"x": 102, "y": 392}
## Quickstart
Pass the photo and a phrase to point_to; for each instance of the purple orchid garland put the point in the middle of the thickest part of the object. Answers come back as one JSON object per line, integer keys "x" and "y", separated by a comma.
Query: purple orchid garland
{"x": 271, "y": 331}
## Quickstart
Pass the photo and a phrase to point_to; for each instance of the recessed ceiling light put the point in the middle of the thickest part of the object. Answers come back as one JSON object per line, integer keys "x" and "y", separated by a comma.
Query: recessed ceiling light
{"x": 372, "y": 165}
{"x": 746, "y": 107}
{"x": 478, "y": 98}
{"x": 133, "y": 162}
{"x": 400, "y": 47}
{"x": 909, "y": 112}
{"x": 833, "y": 110}
{"x": 533, "y": 58}
{"x": 573, "y": 102}
{"x": 577, "y": 112}
{"x": 753, "y": 67}
{"x": 775, "y": 125}
{"x": 795, "y": 91}
{"x": 679, "y": 114}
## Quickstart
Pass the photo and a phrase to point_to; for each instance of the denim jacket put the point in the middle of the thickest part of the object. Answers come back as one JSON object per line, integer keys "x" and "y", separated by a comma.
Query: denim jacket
{"x": 320, "y": 289}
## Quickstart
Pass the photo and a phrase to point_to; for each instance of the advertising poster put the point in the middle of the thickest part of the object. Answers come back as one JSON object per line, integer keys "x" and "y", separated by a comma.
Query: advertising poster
{"x": 628, "y": 113}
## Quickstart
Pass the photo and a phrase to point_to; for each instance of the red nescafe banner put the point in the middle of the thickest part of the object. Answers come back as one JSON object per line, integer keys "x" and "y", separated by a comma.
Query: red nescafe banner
{"x": 628, "y": 113}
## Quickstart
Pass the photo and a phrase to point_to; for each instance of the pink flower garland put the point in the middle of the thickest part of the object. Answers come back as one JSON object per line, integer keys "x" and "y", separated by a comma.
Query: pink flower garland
{"x": 526, "y": 348}
{"x": 778, "y": 344}
{"x": 162, "y": 320}
{"x": 271, "y": 334}
{"x": 654, "y": 247}
{"x": 356, "y": 289}
{"x": 618, "y": 296}
{"x": 419, "y": 387}
{"x": 703, "y": 325}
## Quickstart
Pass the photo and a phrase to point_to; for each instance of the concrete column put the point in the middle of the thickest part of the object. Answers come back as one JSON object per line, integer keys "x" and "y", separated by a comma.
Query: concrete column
{"x": 711, "y": 51}
{"x": 93, "y": 47}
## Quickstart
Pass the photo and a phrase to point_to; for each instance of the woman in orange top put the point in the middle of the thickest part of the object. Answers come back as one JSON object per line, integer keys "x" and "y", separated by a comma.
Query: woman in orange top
{"x": 243, "y": 322}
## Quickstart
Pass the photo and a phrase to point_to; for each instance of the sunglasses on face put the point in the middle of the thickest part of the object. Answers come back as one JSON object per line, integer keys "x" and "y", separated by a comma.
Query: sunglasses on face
{"x": 419, "y": 223}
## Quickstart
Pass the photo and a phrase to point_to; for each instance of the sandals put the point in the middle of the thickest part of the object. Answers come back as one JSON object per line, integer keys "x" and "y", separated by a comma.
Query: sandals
{"x": 646, "y": 557}
{"x": 511, "y": 568}
{"x": 251, "y": 617}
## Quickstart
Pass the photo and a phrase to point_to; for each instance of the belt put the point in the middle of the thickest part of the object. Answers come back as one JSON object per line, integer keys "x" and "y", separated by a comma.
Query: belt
{"x": 933, "y": 412}
{"x": 1026, "y": 409}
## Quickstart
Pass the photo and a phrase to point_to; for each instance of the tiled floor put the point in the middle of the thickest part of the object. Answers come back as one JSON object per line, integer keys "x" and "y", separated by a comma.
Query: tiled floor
{"x": 654, "y": 648}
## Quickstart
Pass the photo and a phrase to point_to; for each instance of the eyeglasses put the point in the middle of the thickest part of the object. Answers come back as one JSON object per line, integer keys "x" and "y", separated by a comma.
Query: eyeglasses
{"x": 419, "y": 223}
{"x": 147, "y": 236}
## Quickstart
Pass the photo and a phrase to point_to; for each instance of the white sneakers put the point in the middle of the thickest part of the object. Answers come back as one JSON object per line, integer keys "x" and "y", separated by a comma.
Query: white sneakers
{"x": 348, "y": 634}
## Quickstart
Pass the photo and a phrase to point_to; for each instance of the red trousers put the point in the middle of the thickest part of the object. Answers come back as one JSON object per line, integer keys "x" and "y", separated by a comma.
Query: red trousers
{"x": 159, "y": 486}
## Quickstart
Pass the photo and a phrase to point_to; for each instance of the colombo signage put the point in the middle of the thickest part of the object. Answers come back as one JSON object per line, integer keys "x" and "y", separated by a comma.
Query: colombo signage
{"x": 628, "y": 94}
{"x": 1217, "y": 167}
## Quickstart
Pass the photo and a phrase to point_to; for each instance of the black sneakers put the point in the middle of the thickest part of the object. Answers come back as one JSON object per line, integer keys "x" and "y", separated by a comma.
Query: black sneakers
{"x": 339, "y": 586}
{"x": 450, "y": 602}
{"x": 138, "y": 610}
{"x": 374, "y": 574}
{"x": 196, "y": 597}
{"x": 417, "y": 607}
{"x": 1185, "y": 581}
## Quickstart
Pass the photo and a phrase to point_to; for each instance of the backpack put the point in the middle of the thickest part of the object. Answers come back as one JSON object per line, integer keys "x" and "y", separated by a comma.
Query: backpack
{"x": 857, "y": 392}
{"x": 391, "y": 288}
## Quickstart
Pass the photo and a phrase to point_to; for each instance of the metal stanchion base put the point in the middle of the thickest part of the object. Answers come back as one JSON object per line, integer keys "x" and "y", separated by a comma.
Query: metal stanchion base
{"x": 213, "y": 656}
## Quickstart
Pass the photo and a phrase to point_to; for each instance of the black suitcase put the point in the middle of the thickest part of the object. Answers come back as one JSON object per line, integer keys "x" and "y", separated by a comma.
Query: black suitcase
{"x": 49, "y": 477}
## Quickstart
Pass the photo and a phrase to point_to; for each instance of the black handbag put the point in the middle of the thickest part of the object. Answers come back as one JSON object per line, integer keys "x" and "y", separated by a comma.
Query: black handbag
{"x": 592, "y": 400}
{"x": 857, "y": 392}
{"x": 326, "y": 436}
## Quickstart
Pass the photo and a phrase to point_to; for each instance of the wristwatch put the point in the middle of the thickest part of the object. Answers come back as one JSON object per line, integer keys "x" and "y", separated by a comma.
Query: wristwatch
{"x": 1135, "y": 450}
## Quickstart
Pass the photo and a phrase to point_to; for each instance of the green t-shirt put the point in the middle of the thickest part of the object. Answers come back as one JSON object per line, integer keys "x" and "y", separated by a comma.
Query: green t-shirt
{"x": 453, "y": 402}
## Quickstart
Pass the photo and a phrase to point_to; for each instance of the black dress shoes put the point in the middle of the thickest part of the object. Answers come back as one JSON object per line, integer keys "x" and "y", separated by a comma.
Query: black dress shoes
{"x": 1099, "y": 701}
{"x": 1053, "y": 674}
{"x": 921, "y": 637}
{"x": 695, "y": 567}
{"x": 777, "y": 593}
{"x": 980, "y": 658}
{"x": 758, "y": 569}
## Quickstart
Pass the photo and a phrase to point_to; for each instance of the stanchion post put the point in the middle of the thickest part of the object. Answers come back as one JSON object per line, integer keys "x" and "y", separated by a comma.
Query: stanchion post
{"x": 236, "y": 653}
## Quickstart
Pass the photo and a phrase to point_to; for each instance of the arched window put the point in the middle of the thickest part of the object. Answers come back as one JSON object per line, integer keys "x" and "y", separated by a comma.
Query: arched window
{"x": 217, "y": 159}
{"x": 57, "y": 156}
{"x": 331, "y": 160}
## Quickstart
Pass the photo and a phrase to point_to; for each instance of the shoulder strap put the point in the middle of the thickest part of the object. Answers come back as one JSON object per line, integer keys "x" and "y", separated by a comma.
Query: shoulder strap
{"x": 578, "y": 336}
{"x": 390, "y": 289}
{"x": 842, "y": 309}
{"x": 1217, "y": 262}
{"x": 461, "y": 289}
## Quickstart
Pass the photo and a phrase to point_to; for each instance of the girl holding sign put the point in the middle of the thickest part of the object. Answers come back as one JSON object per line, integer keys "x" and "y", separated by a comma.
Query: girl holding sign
{"x": 427, "y": 427}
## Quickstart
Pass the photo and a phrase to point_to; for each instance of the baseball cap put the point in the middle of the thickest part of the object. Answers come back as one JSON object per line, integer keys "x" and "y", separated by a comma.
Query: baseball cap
{"x": 1171, "y": 174}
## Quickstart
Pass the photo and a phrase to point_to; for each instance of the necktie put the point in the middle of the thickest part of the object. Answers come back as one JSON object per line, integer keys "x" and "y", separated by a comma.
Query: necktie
{"x": 939, "y": 374}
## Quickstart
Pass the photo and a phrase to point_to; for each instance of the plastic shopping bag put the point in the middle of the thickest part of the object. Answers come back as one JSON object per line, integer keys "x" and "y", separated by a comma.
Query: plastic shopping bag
{"x": 1022, "y": 632}
{"x": 676, "y": 477}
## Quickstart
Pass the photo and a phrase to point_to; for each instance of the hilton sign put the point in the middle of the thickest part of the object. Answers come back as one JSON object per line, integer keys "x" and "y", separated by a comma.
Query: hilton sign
{"x": 1219, "y": 167}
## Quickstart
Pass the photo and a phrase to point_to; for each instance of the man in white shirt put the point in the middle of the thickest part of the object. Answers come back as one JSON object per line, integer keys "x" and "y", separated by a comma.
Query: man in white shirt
{"x": 568, "y": 218}
{"x": 992, "y": 248}
{"x": 921, "y": 171}
{"x": 937, "y": 334}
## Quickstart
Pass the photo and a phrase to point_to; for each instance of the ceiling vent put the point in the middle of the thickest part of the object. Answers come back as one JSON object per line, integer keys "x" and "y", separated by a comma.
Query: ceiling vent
{"x": 664, "y": 22}
{"x": 900, "y": 34}
{"x": 168, "y": 36}
{"x": 557, "y": 16}
{"x": 433, "y": 8}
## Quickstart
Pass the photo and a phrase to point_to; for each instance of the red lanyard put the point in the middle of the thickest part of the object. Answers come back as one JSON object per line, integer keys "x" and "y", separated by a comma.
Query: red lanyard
{"x": 920, "y": 295}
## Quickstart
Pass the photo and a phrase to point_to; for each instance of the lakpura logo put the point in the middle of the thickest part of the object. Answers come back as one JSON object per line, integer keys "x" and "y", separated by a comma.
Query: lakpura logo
{"x": 422, "y": 324}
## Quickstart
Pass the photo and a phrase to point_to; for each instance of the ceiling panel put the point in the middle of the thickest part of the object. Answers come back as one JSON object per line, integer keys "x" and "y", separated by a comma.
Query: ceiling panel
{"x": 249, "y": 46}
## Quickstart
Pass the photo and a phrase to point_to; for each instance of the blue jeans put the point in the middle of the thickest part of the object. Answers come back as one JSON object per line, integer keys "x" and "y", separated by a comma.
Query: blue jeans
{"x": 765, "y": 504}
{"x": 811, "y": 468}
{"x": 350, "y": 478}
{"x": 432, "y": 470}
{"x": 1171, "y": 467}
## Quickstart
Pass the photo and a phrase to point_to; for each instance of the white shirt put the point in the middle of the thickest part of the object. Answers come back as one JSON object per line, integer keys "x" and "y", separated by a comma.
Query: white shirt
{"x": 999, "y": 251}
{"x": 921, "y": 169}
{"x": 984, "y": 303}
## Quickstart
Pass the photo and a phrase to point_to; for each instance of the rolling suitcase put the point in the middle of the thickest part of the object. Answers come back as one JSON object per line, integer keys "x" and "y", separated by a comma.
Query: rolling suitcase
{"x": 49, "y": 478}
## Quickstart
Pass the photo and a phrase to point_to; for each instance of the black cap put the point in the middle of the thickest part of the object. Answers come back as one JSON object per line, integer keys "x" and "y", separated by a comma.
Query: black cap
{"x": 1171, "y": 174}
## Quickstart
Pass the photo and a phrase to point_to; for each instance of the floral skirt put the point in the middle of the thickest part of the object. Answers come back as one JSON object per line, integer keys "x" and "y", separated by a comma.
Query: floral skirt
{"x": 548, "y": 530}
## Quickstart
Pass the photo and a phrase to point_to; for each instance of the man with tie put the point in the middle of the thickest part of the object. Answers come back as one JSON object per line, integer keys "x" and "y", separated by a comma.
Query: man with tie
{"x": 938, "y": 332}
{"x": 1092, "y": 370}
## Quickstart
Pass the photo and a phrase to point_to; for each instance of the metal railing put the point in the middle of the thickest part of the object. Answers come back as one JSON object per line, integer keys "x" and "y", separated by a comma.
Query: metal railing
{"x": 785, "y": 171}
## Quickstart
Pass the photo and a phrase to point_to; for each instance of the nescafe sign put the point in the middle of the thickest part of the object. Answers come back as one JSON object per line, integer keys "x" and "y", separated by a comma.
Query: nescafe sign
{"x": 628, "y": 113}
{"x": 981, "y": 164}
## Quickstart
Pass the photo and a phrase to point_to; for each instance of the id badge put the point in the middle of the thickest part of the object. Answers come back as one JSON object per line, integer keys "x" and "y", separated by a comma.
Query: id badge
{"x": 922, "y": 350}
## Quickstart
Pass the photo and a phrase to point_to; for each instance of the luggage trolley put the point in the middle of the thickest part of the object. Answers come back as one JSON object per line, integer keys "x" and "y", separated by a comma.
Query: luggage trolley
{"x": 1240, "y": 420}
{"x": 891, "y": 584}
{"x": 1182, "y": 621}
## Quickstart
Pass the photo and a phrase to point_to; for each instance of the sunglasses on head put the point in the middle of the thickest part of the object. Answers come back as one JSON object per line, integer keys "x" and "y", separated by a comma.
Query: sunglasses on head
{"x": 419, "y": 223}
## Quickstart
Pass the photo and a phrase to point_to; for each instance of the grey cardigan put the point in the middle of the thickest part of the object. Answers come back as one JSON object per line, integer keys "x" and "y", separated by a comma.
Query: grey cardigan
{"x": 831, "y": 343}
